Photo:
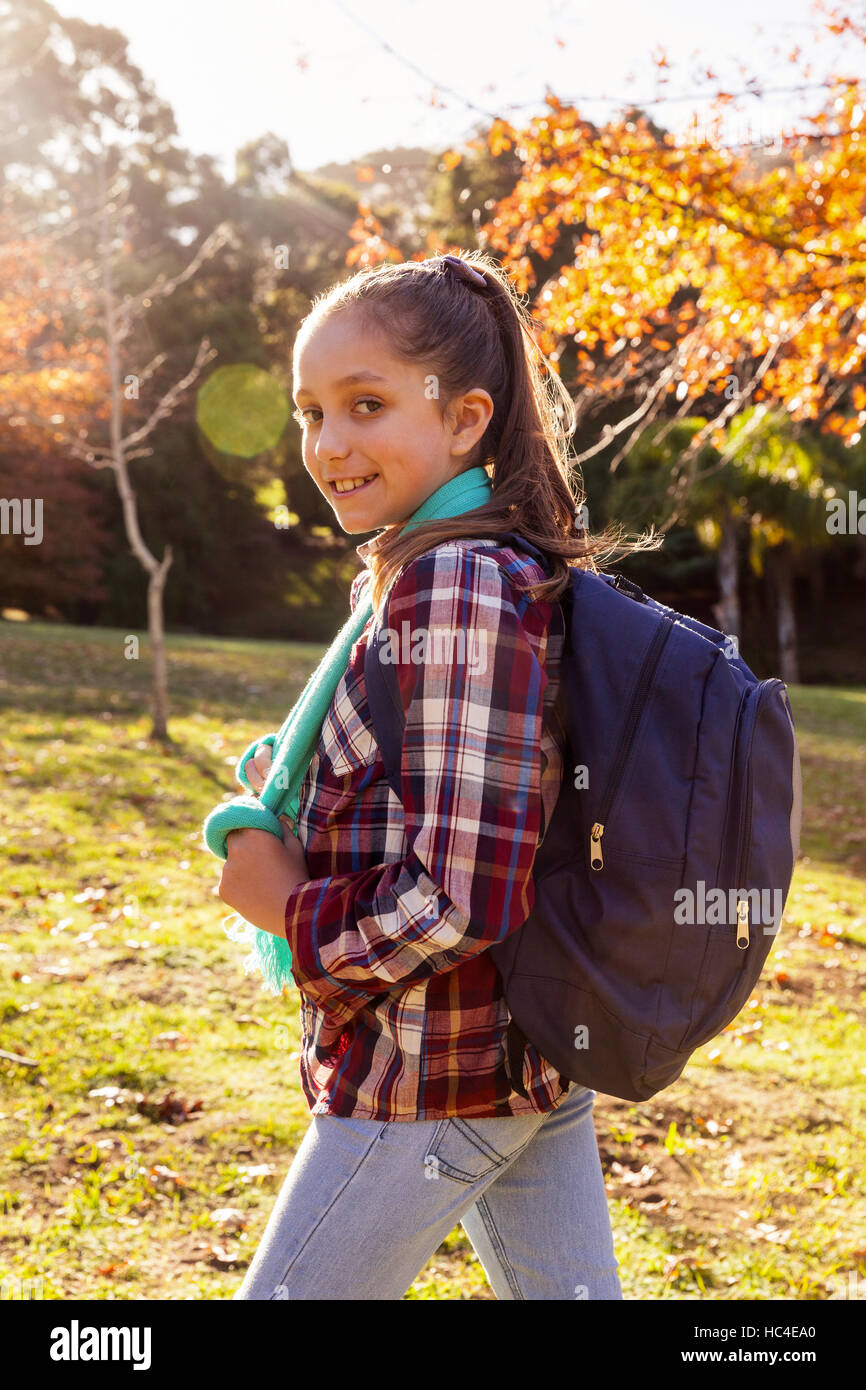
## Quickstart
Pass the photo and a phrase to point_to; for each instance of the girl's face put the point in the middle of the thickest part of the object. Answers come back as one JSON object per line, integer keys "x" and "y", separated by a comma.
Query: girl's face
{"x": 374, "y": 442}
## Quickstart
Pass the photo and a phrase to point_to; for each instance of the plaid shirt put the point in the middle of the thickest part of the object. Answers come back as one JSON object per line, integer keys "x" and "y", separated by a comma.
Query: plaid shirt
{"x": 402, "y": 1008}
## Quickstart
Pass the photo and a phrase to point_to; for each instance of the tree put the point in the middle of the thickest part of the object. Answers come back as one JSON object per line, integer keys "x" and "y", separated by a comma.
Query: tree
{"x": 93, "y": 102}
{"x": 103, "y": 362}
{"x": 785, "y": 482}
{"x": 119, "y": 317}
{"x": 680, "y": 276}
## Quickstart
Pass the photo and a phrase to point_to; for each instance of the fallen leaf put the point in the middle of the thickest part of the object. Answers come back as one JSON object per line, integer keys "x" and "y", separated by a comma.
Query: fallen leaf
{"x": 117, "y": 1095}
{"x": 172, "y": 1040}
{"x": 229, "y": 1218}
{"x": 653, "y": 1201}
{"x": 172, "y": 1109}
{"x": 62, "y": 972}
{"x": 221, "y": 1256}
{"x": 166, "y": 1176}
{"x": 260, "y": 1170}
{"x": 641, "y": 1178}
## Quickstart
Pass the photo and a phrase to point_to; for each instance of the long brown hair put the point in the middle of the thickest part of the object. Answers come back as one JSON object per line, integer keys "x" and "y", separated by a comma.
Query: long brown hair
{"x": 482, "y": 338}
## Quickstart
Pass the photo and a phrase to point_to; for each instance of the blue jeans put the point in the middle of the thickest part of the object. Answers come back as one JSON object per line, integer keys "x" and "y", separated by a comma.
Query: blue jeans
{"x": 366, "y": 1203}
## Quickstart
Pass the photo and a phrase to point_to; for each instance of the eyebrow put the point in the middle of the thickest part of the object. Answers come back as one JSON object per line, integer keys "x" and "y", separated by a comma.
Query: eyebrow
{"x": 351, "y": 380}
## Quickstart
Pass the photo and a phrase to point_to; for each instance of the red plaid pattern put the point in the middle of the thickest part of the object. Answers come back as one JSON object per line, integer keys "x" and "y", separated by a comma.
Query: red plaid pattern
{"x": 402, "y": 1009}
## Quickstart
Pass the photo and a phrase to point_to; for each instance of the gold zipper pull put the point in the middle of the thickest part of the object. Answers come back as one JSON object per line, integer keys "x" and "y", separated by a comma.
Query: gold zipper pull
{"x": 743, "y": 922}
{"x": 595, "y": 846}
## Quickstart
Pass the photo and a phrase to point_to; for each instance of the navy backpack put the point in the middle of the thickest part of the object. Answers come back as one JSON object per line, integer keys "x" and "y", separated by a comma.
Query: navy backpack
{"x": 661, "y": 878}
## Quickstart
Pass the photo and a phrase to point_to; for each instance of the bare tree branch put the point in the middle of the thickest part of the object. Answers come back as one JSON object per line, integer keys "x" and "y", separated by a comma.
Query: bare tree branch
{"x": 167, "y": 403}
{"x": 611, "y": 431}
{"x": 153, "y": 365}
{"x": 36, "y": 226}
{"x": 163, "y": 285}
{"x": 687, "y": 477}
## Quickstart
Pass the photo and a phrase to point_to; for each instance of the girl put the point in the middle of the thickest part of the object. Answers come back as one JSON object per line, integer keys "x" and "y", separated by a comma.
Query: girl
{"x": 426, "y": 417}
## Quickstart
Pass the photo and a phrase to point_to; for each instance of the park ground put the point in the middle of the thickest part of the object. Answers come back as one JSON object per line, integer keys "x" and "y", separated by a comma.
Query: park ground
{"x": 150, "y": 1101}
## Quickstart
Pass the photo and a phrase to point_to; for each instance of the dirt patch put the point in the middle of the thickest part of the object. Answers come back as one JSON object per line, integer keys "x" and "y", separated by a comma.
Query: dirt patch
{"x": 729, "y": 1125}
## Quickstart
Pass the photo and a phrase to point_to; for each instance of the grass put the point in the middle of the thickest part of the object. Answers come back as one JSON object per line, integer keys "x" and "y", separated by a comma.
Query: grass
{"x": 143, "y": 1148}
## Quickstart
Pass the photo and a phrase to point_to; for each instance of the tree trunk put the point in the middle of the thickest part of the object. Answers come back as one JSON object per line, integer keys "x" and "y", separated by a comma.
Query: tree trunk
{"x": 816, "y": 584}
{"x": 727, "y": 610}
{"x": 781, "y": 573}
{"x": 156, "y": 628}
{"x": 156, "y": 569}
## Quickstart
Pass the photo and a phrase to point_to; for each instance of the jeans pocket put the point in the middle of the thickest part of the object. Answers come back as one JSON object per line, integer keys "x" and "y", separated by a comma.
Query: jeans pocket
{"x": 469, "y": 1151}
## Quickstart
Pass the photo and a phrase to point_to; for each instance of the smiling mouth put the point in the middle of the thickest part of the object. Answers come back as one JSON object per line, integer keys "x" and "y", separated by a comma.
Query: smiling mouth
{"x": 352, "y": 485}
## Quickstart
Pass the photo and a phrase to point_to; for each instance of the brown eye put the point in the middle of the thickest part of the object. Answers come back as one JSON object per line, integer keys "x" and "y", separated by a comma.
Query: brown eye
{"x": 300, "y": 415}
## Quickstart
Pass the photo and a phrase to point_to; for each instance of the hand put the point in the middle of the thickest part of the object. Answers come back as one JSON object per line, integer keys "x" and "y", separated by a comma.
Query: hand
{"x": 259, "y": 874}
{"x": 258, "y": 766}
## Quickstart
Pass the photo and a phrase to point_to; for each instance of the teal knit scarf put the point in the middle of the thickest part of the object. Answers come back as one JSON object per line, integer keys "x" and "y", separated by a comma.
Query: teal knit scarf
{"x": 293, "y": 746}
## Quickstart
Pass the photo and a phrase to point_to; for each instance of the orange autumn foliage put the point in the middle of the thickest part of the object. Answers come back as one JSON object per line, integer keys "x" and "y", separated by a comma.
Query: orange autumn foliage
{"x": 42, "y": 303}
{"x": 688, "y": 257}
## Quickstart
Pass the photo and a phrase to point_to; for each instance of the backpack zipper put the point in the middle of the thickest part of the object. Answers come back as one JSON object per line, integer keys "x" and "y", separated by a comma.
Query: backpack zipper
{"x": 743, "y": 903}
{"x": 638, "y": 700}
{"x": 744, "y": 819}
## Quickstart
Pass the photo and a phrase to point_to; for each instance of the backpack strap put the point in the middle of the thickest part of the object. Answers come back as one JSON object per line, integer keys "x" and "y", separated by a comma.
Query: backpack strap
{"x": 383, "y": 701}
{"x": 386, "y": 711}
{"x": 515, "y": 1044}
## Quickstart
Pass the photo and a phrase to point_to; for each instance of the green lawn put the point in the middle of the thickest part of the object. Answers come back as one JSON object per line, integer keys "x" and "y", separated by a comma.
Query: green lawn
{"x": 164, "y": 1086}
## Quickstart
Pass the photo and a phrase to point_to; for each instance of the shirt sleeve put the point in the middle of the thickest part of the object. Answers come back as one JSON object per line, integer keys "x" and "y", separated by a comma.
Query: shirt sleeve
{"x": 471, "y": 783}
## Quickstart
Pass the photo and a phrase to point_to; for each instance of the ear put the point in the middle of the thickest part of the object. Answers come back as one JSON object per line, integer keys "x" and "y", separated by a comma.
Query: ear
{"x": 471, "y": 413}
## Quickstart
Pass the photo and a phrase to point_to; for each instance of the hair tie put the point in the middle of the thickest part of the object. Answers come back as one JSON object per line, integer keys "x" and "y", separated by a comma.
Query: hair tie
{"x": 461, "y": 271}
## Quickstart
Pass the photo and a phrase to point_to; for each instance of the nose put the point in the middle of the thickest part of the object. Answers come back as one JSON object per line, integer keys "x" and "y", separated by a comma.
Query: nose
{"x": 329, "y": 445}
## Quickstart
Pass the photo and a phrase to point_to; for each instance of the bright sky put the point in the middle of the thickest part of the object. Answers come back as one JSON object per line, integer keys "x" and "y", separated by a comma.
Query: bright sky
{"x": 321, "y": 75}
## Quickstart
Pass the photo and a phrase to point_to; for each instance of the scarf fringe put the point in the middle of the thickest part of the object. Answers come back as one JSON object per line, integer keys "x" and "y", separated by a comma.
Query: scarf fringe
{"x": 270, "y": 955}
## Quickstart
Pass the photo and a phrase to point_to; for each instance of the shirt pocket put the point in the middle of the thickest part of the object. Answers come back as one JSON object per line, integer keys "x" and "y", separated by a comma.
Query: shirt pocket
{"x": 347, "y": 745}
{"x": 468, "y": 1152}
